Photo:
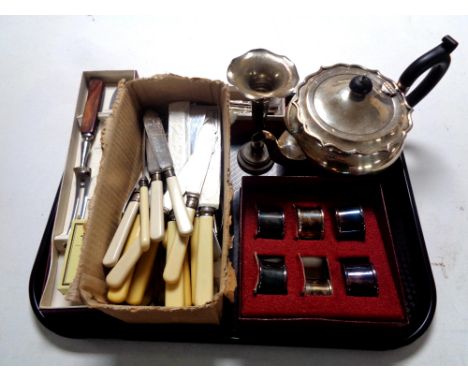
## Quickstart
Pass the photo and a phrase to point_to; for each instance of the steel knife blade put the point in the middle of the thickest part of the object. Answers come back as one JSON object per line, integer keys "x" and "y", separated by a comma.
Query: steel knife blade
{"x": 182, "y": 143}
{"x": 210, "y": 192}
{"x": 151, "y": 160}
{"x": 157, "y": 138}
{"x": 194, "y": 172}
{"x": 158, "y": 141}
{"x": 178, "y": 133}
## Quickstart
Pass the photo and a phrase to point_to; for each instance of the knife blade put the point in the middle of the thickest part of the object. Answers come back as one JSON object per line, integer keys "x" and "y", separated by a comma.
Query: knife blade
{"x": 178, "y": 133}
{"x": 144, "y": 200}
{"x": 182, "y": 138}
{"x": 156, "y": 201}
{"x": 193, "y": 173}
{"x": 210, "y": 192}
{"x": 157, "y": 138}
{"x": 203, "y": 245}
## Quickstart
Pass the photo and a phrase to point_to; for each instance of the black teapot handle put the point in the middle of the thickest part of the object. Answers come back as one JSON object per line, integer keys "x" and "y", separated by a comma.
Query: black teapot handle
{"x": 437, "y": 60}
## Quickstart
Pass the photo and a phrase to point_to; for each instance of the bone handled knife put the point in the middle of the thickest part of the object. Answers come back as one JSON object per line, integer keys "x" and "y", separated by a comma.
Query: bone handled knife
{"x": 156, "y": 201}
{"x": 120, "y": 237}
{"x": 144, "y": 215}
{"x": 194, "y": 254}
{"x": 194, "y": 173}
{"x": 142, "y": 275}
{"x": 144, "y": 200}
{"x": 157, "y": 138}
{"x": 118, "y": 295}
{"x": 202, "y": 248}
{"x": 173, "y": 293}
{"x": 118, "y": 292}
{"x": 126, "y": 264}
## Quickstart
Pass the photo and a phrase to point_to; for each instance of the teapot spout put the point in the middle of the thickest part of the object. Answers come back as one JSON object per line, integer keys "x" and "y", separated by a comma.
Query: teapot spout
{"x": 285, "y": 150}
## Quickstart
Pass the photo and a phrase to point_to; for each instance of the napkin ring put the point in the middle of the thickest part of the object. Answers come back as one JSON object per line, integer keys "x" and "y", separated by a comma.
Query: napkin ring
{"x": 310, "y": 223}
{"x": 273, "y": 276}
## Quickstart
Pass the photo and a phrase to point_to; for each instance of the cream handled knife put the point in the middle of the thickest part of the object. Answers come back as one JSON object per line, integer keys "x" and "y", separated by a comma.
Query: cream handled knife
{"x": 202, "y": 263}
{"x": 193, "y": 173}
{"x": 156, "y": 201}
{"x": 126, "y": 264}
{"x": 120, "y": 237}
{"x": 157, "y": 139}
{"x": 144, "y": 214}
{"x": 133, "y": 252}
{"x": 173, "y": 293}
{"x": 144, "y": 200}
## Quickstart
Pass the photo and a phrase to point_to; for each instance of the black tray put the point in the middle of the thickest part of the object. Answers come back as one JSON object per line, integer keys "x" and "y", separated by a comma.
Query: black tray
{"x": 418, "y": 286}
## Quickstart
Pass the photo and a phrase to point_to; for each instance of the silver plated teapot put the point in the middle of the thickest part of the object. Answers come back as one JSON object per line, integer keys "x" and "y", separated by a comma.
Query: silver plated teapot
{"x": 353, "y": 120}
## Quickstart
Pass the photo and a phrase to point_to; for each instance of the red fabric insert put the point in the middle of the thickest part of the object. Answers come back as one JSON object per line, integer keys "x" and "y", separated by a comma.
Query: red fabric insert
{"x": 285, "y": 192}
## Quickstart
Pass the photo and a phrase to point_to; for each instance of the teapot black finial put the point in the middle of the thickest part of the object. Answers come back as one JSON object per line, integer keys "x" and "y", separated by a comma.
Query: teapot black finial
{"x": 360, "y": 87}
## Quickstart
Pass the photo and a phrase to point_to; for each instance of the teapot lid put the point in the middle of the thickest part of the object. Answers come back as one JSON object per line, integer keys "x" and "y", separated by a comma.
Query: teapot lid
{"x": 353, "y": 104}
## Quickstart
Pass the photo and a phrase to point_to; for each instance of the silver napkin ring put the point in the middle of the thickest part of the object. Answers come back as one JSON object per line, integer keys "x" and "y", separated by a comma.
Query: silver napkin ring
{"x": 310, "y": 223}
{"x": 350, "y": 223}
{"x": 316, "y": 276}
{"x": 270, "y": 223}
{"x": 360, "y": 279}
{"x": 273, "y": 276}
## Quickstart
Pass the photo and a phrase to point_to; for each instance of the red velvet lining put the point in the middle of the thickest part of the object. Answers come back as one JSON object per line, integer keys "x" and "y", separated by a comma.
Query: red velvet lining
{"x": 286, "y": 192}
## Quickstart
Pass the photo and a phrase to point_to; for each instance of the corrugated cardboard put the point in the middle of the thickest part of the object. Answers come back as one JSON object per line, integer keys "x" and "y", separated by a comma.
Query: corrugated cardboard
{"x": 120, "y": 169}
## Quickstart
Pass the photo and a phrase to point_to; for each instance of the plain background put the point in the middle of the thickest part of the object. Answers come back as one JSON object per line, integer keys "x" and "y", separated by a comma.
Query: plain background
{"x": 40, "y": 69}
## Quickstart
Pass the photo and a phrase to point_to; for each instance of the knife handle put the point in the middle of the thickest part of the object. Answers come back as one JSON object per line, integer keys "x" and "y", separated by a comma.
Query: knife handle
{"x": 156, "y": 211}
{"x": 176, "y": 254}
{"x": 118, "y": 295}
{"x": 127, "y": 261}
{"x": 142, "y": 275}
{"x": 174, "y": 293}
{"x": 184, "y": 223}
{"x": 187, "y": 283}
{"x": 203, "y": 273}
{"x": 144, "y": 216}
{"x": 194, "y": 254}
{"x": 93, "y": 102}
{"x": 118, "y": 241}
